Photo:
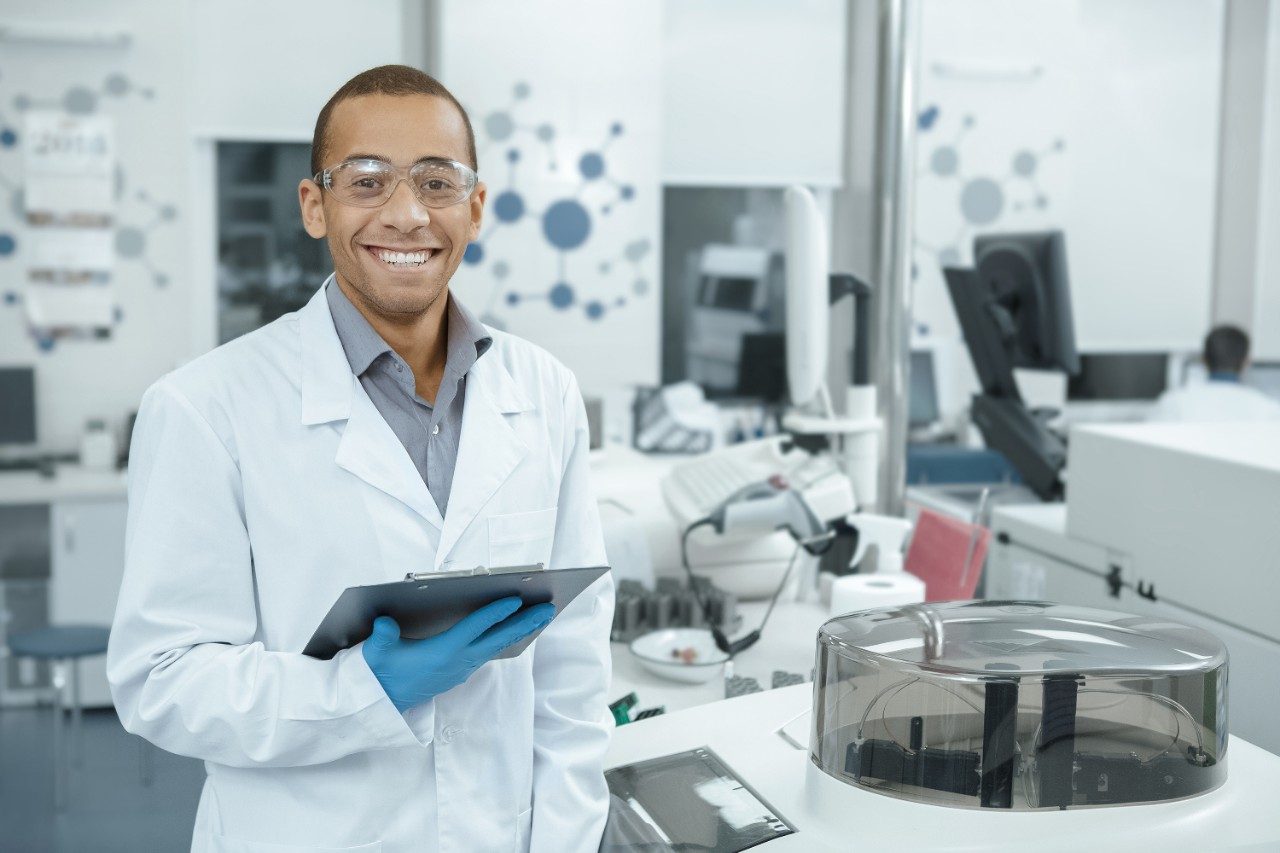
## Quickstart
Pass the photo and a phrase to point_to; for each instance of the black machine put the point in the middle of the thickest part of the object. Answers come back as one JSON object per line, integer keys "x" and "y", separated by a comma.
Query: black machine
{"x": 1014, "y": 309}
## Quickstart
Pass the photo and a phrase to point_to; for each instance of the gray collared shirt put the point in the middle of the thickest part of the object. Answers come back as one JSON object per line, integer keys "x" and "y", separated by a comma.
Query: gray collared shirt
{"x": 429, "y": 433}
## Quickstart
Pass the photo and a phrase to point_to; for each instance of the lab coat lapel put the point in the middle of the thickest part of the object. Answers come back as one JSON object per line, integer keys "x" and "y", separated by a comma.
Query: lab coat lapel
{"x": 372, "y": 451}
{"x": 330, "y": 392}
{"x": 488, "y": 449}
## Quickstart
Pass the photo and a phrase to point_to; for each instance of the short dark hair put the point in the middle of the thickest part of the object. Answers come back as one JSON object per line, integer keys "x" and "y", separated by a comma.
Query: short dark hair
{"x": 385, "y": 80}
{"x": 1225, "y": 349}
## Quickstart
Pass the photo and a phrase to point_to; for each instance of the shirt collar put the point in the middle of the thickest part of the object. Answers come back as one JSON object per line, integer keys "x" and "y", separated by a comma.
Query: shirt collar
{"x": 1224, "y": 376}
{"x": 468, "y": 339}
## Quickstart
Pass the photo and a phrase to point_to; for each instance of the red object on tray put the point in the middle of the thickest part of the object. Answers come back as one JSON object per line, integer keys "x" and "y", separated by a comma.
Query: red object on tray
{"x": 947, "y": 554}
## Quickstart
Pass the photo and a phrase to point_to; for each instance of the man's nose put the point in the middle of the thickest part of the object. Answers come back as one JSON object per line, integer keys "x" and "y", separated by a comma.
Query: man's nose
{"x": 402, "y": 210}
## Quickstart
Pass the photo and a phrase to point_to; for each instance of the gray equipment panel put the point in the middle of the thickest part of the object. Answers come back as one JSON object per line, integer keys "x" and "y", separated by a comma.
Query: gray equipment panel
{"x": 427, "y": 603}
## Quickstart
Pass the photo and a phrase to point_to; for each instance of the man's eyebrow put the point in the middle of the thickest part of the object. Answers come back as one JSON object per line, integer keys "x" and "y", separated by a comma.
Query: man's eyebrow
{"x": 385, "y": 159}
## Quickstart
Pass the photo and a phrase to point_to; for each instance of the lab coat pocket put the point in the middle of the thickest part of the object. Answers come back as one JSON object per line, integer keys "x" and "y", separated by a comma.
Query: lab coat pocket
{"x": 524, "y": 828}
{"x": 521, "y": 538}
{"x": 222, "y": 844}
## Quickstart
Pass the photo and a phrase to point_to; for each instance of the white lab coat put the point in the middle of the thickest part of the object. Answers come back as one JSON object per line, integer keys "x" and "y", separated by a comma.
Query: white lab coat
{"x": 1215, "y": 401}
{"x": 263, "y": 482}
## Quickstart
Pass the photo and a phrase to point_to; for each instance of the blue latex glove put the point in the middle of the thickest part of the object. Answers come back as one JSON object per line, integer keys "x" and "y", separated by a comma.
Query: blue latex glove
{"x": 413, "y": 671}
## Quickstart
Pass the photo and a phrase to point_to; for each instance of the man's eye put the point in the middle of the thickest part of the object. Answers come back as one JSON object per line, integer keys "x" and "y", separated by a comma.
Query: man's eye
{"x": 367, "y": 183}
{"x": 437, "y": 185}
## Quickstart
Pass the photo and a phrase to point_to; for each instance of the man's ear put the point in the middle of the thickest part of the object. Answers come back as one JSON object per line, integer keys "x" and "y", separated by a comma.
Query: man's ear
{"x": 477, "y": 211}
{"x": 311, "y": 201}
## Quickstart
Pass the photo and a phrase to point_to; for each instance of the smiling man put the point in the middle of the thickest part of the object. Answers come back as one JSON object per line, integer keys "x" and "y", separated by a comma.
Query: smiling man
{"x": 378, "y": 431}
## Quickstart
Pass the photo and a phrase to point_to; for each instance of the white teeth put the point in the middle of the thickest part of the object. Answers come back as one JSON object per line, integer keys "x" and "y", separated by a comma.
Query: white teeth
{"x": 403, "y": 258}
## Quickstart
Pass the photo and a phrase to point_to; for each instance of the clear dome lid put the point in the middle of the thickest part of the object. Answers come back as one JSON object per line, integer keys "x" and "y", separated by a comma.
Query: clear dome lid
{"x": 1020, "y": 705}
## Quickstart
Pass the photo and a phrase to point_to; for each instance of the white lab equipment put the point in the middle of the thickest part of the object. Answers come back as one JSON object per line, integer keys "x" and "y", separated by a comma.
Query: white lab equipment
{"x": 626, "y": 544}
{"x": 750, "y": 563}
{"x": 204, "y": 656}
{"x": 678, "y": 418}
{"x": 1000, "y": 725}
{"x": 730, "y": 302}
{"x": 810, "y": 289}
{"x": 97, "y": 447}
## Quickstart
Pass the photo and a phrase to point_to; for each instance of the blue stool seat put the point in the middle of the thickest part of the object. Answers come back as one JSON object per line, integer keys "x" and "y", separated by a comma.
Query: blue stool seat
{"x": 59, "y": 642}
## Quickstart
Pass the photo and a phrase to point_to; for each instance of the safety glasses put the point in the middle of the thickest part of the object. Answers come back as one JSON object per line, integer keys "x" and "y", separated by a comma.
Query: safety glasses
{"x": 369, "y": 183}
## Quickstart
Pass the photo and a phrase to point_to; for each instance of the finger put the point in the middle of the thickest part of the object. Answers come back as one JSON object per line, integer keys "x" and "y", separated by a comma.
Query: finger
{"x": 386, "y": 631}
{"x": 514, "y": 629}
{"x": 478, "y": 621}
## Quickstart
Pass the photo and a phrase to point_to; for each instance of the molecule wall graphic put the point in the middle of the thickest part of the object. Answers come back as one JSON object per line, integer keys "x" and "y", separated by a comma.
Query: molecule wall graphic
{"x": 131, "y": 241}
{"x": 982, "y": 199}
{"x": 566, "y": 224}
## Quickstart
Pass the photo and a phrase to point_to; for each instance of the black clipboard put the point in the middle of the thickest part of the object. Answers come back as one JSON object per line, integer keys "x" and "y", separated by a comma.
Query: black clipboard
{"x": 426, "y": 603}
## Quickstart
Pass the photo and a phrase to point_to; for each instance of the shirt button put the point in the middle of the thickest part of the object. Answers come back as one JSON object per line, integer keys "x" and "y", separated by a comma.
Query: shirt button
{"x": 435, "y": 430}
{"x": 450, "y": 733}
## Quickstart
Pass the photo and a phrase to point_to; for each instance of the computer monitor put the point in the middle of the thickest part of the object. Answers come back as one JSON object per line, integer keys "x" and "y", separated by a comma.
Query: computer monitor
{"x": 922, "y": 407}
{"x": 17, "y": 405}
{"x": 1014, "y": 309}
{"x": 1025, "y": 280}
{"x": 808, "y": 295}
{"x": 1111, "y": 376}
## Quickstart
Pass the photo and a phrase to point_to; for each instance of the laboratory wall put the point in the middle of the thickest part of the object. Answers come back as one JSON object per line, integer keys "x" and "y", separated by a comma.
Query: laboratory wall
{"x": 142, "y": 90}
{"x": 191, "y": 73}
{"x": 568, "y": 134}
{"x": 1097, "y": 117}
{"x": 1266, "y": 327}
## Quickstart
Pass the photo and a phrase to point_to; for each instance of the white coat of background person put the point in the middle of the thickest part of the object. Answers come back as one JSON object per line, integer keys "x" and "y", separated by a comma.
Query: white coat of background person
{"x": 1223, "y": 398}
{"x": 263, "y": 481}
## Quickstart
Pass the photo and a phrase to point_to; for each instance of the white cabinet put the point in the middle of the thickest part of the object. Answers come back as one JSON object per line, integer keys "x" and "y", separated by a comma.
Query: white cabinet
{"x": 753, "y": 92}
{"x": 87, "y": 545}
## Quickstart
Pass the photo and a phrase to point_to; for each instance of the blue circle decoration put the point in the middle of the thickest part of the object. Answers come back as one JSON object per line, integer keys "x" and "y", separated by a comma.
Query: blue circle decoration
{"x": 928, "y": 117}
{"x": 566, "y": 224}
{"x": 595, "y": 310}
{"x": 11, "y": 297}
{"x": 117, "y": 314}
{"x": 561, "y": 296}
{"x": 474, "y": 254}
{"x": 616, "y": 128}
{"x": 513, "y": 156}
{"x": 591, "y": 165}
{"x": 513, "y": 299}
{"x": 45, "y": 343}
{"x": 508, "y": 206}
{"x": 627, "y": 192}
{"x": 8, "y": 137}
{"x": 7, "y": 244}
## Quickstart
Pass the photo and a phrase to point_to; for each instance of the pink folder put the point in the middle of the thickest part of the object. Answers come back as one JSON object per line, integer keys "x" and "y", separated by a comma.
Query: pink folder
{"x": 938, "y": 553}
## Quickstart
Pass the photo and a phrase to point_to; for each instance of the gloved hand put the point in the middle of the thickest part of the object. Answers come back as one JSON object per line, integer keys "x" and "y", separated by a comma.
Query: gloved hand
{"x": 413, "y": 671}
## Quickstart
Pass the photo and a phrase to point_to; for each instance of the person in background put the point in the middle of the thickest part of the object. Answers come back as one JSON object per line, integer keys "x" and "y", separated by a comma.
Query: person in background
{"x": 1223, "y": 398}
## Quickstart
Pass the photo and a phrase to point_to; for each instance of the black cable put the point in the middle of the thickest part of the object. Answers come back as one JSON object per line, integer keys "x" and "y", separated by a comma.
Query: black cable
{"x": 731, "y": 648}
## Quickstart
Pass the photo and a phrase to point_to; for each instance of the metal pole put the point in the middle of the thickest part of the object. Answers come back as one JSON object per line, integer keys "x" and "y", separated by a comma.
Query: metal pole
{"x": 899, "y": 25}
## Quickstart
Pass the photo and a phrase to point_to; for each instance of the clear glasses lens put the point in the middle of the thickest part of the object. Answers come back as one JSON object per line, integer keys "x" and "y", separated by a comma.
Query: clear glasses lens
{"x": 369, "y": 183}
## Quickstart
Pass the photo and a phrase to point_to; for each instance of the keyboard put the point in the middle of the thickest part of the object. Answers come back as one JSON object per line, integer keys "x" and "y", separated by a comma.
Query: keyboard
{"x": 695, "y": 488}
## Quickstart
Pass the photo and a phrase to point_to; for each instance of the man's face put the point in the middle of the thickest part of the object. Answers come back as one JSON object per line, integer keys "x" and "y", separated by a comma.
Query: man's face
{"x": 399, "y": 130}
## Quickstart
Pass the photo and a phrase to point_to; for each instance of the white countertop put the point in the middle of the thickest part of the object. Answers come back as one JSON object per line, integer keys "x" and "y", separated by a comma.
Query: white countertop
{"x": 69, "y": 482}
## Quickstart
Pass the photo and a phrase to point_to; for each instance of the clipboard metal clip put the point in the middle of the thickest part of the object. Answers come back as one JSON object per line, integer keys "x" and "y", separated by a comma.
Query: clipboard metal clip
{"x": 478, "y": 570}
